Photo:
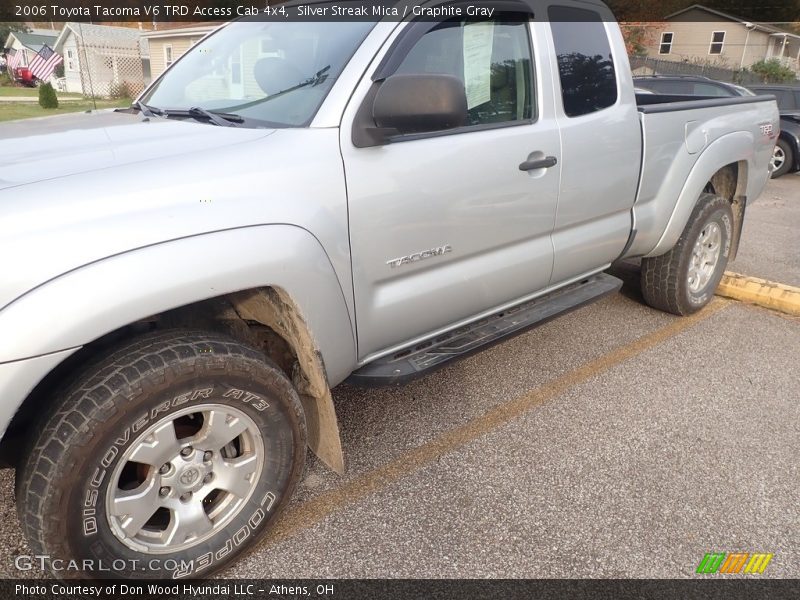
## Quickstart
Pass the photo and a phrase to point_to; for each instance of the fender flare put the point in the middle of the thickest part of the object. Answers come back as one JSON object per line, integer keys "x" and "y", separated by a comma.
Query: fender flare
{"x": 84, "y": 304}
{"x": 729, "y": 149}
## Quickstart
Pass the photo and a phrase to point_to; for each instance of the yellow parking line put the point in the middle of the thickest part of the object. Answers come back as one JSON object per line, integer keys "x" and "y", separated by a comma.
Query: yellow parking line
{"x": 775, "y": 296}
{"x": 316, "y": 509}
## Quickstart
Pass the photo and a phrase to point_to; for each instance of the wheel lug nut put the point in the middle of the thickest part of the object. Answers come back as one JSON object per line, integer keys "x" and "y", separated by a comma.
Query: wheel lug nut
{"x": 208, "y": 478}
{"x": 164, "y": 468}
{"x": 186, "y": 497}
{"x": 164, "y": 491}
{"x": 187, "y": 451}
{"x": 208, "y": 455}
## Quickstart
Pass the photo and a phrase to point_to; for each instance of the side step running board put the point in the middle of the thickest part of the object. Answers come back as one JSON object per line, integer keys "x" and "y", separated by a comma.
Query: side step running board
{"x": 434, "y": 354}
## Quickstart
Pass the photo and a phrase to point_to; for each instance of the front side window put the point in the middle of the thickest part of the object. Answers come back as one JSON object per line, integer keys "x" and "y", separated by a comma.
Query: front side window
{"x": 492, "y": 58}
{"x": 666, "y": 43}
{"x": 717, "y": 42}
{"x": 585, "y": 62}
{"x": 268, "y": 73}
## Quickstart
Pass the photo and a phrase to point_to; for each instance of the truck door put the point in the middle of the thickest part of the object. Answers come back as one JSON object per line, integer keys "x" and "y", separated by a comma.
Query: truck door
{"x": 600, "y": 136}
{"x": 446, "y": 226}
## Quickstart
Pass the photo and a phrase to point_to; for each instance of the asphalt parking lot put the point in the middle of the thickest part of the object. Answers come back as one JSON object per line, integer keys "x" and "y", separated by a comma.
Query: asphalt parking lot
{"x": 614, "y": 442}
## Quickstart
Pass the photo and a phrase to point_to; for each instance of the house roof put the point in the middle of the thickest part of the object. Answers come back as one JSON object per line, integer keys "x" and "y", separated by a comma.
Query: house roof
{"x": 34, "y": 41}
{"x": 728, "y": 17}
{"x": 181, "y": 32}
{"x": 104, "y": 35}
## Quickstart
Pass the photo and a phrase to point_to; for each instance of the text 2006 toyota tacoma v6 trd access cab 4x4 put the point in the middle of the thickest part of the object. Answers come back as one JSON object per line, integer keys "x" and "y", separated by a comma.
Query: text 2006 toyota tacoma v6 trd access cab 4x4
{"x": 294, "y": 204}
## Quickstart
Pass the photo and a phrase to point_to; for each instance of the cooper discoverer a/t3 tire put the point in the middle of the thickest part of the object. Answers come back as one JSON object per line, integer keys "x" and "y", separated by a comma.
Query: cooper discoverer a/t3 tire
{"x": 167, "y": 459}
{"x": 684, "y": 280}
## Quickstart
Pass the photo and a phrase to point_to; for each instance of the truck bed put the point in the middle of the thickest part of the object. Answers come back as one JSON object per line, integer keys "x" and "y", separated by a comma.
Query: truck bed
{"x": 681, "y": 132}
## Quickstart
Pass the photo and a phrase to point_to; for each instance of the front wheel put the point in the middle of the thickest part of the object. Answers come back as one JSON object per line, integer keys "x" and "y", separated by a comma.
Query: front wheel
{"x": 684, "y": 280}
{"x": 782, "y": 159}
{"x": 167, "y": 459}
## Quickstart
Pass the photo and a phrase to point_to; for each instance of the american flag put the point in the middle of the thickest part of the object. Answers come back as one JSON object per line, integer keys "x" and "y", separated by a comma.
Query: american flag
{"x": 12, "y": 58}
{"x": 45, "y": 62}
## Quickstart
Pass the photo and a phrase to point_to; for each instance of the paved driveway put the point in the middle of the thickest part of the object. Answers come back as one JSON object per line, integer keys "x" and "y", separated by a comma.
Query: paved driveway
{"x": 614, "y": 442}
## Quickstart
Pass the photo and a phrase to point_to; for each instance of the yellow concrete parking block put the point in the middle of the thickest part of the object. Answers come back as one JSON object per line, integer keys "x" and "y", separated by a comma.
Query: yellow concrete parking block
{"x": 768, "y": 294}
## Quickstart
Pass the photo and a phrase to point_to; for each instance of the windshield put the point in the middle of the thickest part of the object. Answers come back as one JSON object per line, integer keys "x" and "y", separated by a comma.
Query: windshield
{"x": 274, "y": 74}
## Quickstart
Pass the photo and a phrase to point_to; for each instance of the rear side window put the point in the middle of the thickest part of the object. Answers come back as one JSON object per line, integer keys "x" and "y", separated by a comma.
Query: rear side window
{"x": 585, "y": 63}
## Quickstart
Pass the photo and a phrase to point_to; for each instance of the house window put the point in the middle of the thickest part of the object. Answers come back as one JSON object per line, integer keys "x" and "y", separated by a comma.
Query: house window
{"x": 168, "y": 56}
{"x": 666, "y": 42}
{"x": 71, "y": 62}
{"x": 23, "y": 61}
{"x": 717, "y": 41}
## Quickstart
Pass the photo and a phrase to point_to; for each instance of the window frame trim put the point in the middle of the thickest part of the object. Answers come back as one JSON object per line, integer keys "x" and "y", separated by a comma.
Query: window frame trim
{"x": 662, "y": 43}
{"x": 171, "y": 61}
{"x": 713, "y": 43}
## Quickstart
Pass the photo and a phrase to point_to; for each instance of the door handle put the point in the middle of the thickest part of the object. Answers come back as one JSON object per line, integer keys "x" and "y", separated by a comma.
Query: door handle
{"x": 539, "y": 163}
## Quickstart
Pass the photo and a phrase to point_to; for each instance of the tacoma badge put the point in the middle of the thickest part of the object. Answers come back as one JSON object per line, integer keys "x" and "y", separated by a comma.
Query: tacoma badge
{"x": 418, "y": 256}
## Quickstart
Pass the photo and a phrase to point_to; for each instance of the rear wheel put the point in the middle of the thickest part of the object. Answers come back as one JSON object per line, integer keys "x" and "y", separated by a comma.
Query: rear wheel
{"x": 782, "y": 159}
{"x": 684, "y": 280}
{"x": 167, "y": 459}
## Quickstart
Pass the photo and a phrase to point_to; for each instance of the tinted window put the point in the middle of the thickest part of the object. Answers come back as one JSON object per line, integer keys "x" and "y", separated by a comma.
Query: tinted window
{"x": 785, "y": 99}
{"x": 679, "y": 88}
{"x": 709, "y": 89}
{"x": 585, "y": 64}
{"x": 492, "y": 58}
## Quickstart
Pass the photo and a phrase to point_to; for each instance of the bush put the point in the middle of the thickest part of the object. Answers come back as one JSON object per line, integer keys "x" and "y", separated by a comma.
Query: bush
{"x": 772, "y": 71}
{"x": 120, "y": 90}
{"x": 47, "y": 96}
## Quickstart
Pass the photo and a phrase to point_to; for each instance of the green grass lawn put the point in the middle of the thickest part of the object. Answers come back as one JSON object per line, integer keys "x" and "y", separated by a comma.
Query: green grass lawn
{"x": 10, "y": 111}
{"x": 10, "y": 91}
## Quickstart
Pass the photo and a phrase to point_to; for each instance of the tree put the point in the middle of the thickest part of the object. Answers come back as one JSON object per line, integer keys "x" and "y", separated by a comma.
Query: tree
{"x": 7, "y": 27}
{"x": 638, "y": 37}
{"x": 47, "y": 96}
{"x": 772, "y": 71}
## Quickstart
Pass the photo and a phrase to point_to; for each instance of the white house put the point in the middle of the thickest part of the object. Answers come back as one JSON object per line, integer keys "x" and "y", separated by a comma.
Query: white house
{"x": 27, "y": 45}
{"x": 101, "y": 60}
{"x": 168, "y": 45}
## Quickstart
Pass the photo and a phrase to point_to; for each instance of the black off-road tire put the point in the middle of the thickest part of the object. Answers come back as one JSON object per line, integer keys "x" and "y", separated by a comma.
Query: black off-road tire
{"x": 665, "y": 283}
{"x": 63, "y": 482}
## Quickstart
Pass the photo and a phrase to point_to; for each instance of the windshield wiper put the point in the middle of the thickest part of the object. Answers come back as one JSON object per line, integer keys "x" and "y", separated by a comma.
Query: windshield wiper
{"x": 147, "y": 111}
{"x": 318, "y": 78}
{"x": 221, "y": 119}
{"x": 201, "y": 114}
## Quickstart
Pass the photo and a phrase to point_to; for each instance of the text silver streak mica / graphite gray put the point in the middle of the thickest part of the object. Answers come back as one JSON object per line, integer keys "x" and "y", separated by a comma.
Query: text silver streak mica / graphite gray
{"x": 272, "y": 187}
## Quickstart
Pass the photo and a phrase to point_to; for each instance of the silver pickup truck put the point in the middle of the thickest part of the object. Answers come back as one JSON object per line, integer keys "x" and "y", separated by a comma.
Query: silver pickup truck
{"x": 296, "y": 204}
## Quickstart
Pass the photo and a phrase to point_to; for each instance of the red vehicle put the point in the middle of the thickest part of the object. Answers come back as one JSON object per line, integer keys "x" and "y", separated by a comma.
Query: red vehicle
{"x": 24, "y": 76}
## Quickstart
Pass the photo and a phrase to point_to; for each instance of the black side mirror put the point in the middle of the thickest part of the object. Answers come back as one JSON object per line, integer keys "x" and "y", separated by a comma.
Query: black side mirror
{"x": 408, "y": 104}
{"x": 420, "y": 103}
